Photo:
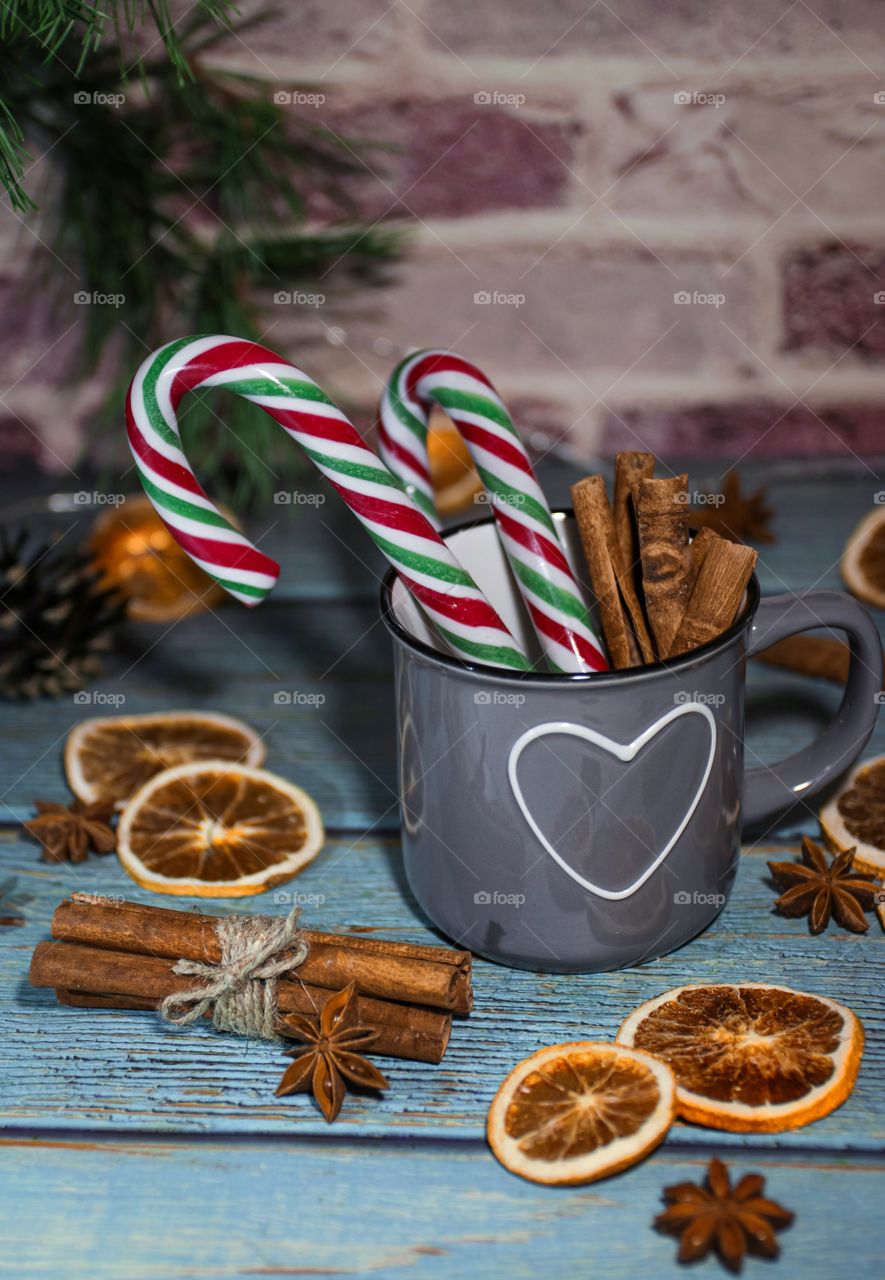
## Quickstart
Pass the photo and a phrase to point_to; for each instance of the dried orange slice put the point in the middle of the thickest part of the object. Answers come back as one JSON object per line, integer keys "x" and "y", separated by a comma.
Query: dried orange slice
{"x": 863, "y": 560}
{"x": 452, "y": 474}
{"x": 855, "y": 817}
{"x": 108, "y": 758}
{"x": 136, "y": 553}
{"x": 751, "y": 1057}
{"x": 576, "y": 1112}
{"x": 211, "y": 829}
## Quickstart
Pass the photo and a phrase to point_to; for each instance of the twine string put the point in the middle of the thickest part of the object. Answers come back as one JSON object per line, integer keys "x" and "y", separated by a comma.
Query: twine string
{"x": 241, "y": 988}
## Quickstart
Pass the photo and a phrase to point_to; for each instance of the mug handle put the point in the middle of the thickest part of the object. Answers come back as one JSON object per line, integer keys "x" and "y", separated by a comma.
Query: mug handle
{"x": 774, "y": 788}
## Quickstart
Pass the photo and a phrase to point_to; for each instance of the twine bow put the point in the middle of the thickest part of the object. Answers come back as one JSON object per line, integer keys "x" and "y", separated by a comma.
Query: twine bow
{"x": 241, "y": 988}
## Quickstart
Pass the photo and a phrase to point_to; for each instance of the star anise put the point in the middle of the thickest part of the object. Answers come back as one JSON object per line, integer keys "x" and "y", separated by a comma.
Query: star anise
{"x": 716, "y": 1216}
{"x": 329, "y": 1058}
{"x": 819, "y": 889}
{"x": 740, "y": 517}
{"x": 68, "y": 832}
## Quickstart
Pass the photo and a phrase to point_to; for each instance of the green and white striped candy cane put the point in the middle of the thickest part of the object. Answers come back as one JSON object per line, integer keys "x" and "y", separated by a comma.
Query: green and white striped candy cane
{"x": 525, "y": 525}
{"x": 446, "y": 592}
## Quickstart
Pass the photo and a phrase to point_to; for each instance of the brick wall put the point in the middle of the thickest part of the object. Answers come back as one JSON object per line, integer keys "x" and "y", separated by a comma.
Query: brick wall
{"x": 651, "y": 223}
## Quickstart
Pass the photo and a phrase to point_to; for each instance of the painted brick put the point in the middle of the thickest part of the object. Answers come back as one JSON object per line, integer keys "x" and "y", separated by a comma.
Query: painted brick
{"x": 315, "y": 32}
{"x": 834, "y": 301}
{"x": 651, "y": 30}
{"x": 573, "y": 308}
{"x": 701, "y": 147}
{"x": 454, "y": 157}
{"x": 754, "y": 430}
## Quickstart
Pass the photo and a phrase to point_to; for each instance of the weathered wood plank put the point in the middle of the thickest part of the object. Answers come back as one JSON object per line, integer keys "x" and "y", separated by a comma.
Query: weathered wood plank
{"x": 79, "y": 1069}
{"x": 385, "y": 1208}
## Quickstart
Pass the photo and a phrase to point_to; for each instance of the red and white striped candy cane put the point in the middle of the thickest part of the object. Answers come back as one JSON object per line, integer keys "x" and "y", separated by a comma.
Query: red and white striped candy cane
{"x": 446, "y": 592}
{"x": 524, "y": 521}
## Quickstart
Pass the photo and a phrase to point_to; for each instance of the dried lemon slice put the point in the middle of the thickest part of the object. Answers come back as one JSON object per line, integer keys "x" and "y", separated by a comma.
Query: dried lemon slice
{"x": 576, "y": 1112}
{"x": 863, "y": 560}
{"x": 108, "y": 758}
{"x": 210, "y": 829}
{"x": 855, "y": 817}
{"x": 751, "y": 1057}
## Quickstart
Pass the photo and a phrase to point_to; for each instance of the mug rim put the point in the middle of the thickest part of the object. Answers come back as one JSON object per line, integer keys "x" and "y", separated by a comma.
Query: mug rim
{"x": 644, "y": 671}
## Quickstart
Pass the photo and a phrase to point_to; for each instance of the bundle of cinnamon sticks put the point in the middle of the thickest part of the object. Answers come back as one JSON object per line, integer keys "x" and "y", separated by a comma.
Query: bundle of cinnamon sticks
{"x": 108, "y": 954}
{"x": 661, "y": 592}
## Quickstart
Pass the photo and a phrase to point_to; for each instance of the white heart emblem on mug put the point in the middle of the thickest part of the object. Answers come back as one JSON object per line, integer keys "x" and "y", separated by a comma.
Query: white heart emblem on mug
{"x": 621, "y": 751}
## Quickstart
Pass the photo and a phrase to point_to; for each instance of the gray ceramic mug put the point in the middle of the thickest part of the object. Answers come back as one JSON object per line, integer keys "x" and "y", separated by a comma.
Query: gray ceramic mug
{"x": 581, "y": 823}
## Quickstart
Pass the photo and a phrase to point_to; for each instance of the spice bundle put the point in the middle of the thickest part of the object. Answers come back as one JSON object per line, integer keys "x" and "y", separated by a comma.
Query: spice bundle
{"x": 123, "y": 955}
{"x": 661, "y": 592}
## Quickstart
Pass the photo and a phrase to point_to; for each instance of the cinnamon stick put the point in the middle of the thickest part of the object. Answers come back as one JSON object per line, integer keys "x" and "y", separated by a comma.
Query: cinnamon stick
{"x": 409, "y": 972}
{"x": 630, "y": 468}
{"x": 717, "y": 594}
{"x": 662, "y": 523}
{"x": 809, "y": 656}
{"x": 98, "y": 978}
{"x": 597, "y": 530}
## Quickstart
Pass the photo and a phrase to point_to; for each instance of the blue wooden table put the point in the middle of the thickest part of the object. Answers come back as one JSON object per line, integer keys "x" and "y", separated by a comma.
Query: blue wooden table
{"x": 134, "y": 1150}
